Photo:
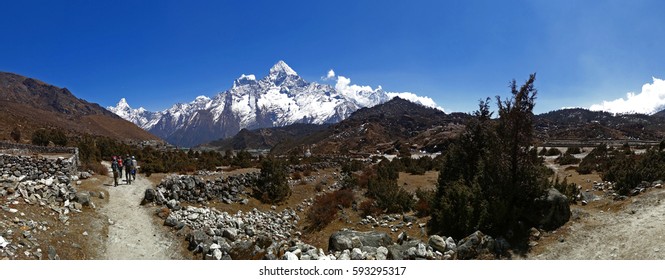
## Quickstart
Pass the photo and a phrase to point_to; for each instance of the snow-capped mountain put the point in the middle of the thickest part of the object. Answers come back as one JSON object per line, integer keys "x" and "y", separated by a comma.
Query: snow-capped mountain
{"x": 280, "y": 98}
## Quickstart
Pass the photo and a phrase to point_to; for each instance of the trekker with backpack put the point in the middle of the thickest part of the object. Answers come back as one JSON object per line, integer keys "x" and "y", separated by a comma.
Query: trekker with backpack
{"x": 128, "y": 169}
{"x": 115, "y": 168}
{"x": 120, "y": 166}
{"x": 134, "y": 166}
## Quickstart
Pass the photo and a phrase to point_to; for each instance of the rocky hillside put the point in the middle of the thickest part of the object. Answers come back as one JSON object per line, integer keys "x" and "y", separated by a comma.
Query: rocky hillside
{"x": 265, "y": 138}
{"x": 28, "y": 104}
{"x": 583, "y": 124}
{"x": 385, "y": 128}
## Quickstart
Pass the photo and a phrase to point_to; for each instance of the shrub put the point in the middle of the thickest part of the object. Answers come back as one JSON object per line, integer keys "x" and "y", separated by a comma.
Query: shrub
{"x": 567, "y": 159}
{"x": 423, "y": 206}
{"x": 16, "y": 134}
{"x": 553, "y": 152}
{"x": 569, "y": 190}
{"x": 573, "y": 151}
{"x": 324, "y": 209}
{"x": 96, "y": 167}
{"x": 369, "y": 208}
{"x": 543, "y": 152}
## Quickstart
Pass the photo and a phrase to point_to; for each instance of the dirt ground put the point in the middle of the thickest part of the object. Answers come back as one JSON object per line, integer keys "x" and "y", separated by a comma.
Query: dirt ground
{"x": 605, "y": 229}
{"x": 134, "y": 232}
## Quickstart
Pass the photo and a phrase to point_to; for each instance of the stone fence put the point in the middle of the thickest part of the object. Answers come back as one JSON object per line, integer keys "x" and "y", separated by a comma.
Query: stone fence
{"x": 26, "y": 149}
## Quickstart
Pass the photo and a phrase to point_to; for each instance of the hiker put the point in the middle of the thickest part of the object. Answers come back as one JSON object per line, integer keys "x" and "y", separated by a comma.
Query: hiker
{"x": 128, "y": 169}
{"x": 134, "y": 167}
{"x": 119, "y": 166}
{"x": 115, "y": 168}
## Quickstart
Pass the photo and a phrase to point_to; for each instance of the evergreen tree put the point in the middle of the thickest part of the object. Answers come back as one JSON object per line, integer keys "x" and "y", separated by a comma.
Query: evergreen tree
{"x": 273, "y": 186}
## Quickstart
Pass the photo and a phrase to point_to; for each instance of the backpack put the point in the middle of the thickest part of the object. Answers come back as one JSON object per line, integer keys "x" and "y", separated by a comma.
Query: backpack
{"x": 114, "y": 166}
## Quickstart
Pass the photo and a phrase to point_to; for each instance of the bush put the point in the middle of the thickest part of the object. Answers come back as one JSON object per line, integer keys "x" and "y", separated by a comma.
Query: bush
{"x": 573, "y": 151}
{"x": 16, "y": 134}
{"x": 566, "y": 159}
{"x": 272, "y": 186}
{"x": 553, "y": 152}
{"x": 423, "y": 206}
{"x": 543, "y": 152}
{"x": 324, "y": 209}
{"x": 96, "y": 167}
{"x": 569, "y": 190}
{"x": 369, "y": 208}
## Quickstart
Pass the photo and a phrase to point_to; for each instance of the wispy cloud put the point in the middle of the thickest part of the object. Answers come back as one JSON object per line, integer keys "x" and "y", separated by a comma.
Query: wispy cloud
{"x": 649, "y": 101}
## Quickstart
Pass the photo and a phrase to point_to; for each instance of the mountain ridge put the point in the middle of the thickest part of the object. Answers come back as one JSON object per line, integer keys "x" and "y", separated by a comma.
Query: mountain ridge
{"x": 28, "y": 104}
{"x": 278, "y": 99}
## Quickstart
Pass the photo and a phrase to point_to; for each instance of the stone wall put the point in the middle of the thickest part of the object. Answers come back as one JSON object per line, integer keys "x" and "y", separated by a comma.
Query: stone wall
{"x": 26, "y": 150}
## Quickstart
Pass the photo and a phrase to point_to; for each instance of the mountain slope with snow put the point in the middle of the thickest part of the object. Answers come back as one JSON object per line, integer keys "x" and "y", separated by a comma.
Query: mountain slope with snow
{"x": 280, "y": 98}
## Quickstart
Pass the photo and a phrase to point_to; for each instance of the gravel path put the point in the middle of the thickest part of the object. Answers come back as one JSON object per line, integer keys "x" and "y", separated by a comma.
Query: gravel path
{"x": 132, "y": 234}
{"x": 635, "y": 232}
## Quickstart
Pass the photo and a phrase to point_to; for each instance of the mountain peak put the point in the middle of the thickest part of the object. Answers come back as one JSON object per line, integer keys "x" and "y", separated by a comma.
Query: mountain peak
{"x": 282, "y": 67}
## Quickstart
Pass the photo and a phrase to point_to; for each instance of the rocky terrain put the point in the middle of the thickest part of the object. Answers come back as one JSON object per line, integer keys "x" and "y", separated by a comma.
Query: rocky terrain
{"x": 49, "y": 213}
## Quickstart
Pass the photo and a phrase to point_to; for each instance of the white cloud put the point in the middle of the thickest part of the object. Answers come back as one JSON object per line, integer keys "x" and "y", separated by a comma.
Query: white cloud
{"x": 345, "y": 87}
{"x": 368, "y": 96}
{"x": 422, "y": 100}
{"x": 329, "y": 76}
{"x": 649, "y": 101}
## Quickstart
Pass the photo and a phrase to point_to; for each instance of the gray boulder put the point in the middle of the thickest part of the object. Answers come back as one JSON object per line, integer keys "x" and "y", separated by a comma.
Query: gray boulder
{"x": 552, "y": 210}
{"x": 83, "y": 198}
{"x": 148, "y": 197}
{"x": 475, "y": 245}
{"x": 349, "y": 239}
{"x": 437, "y": 243}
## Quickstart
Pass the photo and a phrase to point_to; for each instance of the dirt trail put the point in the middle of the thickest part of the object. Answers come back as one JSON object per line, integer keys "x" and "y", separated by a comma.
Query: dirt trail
{"x": 637, "y": 231}
{"x": 132, "y": 233}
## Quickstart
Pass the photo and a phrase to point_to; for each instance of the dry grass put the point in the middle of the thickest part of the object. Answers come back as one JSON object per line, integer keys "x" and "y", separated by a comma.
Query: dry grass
{"x": 411, "y": 183}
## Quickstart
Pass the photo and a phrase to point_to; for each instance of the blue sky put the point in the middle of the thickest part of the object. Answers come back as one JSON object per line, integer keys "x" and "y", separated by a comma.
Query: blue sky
{"x": 156, "y": 53}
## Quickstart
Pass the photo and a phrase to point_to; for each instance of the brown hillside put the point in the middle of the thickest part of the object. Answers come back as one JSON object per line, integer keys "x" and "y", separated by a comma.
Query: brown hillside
{"x": 29, "y": 104}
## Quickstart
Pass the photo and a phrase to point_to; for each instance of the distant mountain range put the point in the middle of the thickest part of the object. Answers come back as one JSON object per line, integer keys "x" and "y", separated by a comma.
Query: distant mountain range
{"x": 28, "y": 104}
{"x": 384, "y": 128}
{"x": 281, "y": 98}
{"x": 387, "y": 127}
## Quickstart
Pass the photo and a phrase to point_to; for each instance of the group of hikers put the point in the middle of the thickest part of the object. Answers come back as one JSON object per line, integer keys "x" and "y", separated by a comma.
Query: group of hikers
{"x": 129, "y": 164}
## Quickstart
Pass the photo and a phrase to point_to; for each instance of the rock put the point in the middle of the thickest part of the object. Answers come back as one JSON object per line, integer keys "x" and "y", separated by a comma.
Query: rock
{"x": 345, "y": 255}
{"x": 421, "y": 250}
{"x": 289, "y": 256}
{"x": 149, "y": 196}
{"x": 85, "y": 175}
{"x": 102, "y": 195}
{"x": 342, "y": 240}
{"x": 357, "y": 254}
{"x": 550, "y": 211}
{"x": 475, "y": 245}
{"x": 171, "y": 221}
{"x": 381, "y": 253}
{"x": 171, "y": 204}
{"x": 52, "y": 255}
{"x": 401, "y": 237}
{"x": 437, "y": 243}
{"x": 83, "y": 198}
{"x": 450, "y": 244}
{"x": 230, "y": 234}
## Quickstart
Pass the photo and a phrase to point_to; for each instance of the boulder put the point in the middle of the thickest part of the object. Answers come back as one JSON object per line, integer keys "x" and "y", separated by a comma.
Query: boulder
{"x": 83, "y": 198}
{"x": 343, "y": 240}
{"x": 551, "y": 211}
{"x": 148, "y": 197}
{"x": 437, "y": 243}
{"x": 475, "y": 245}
